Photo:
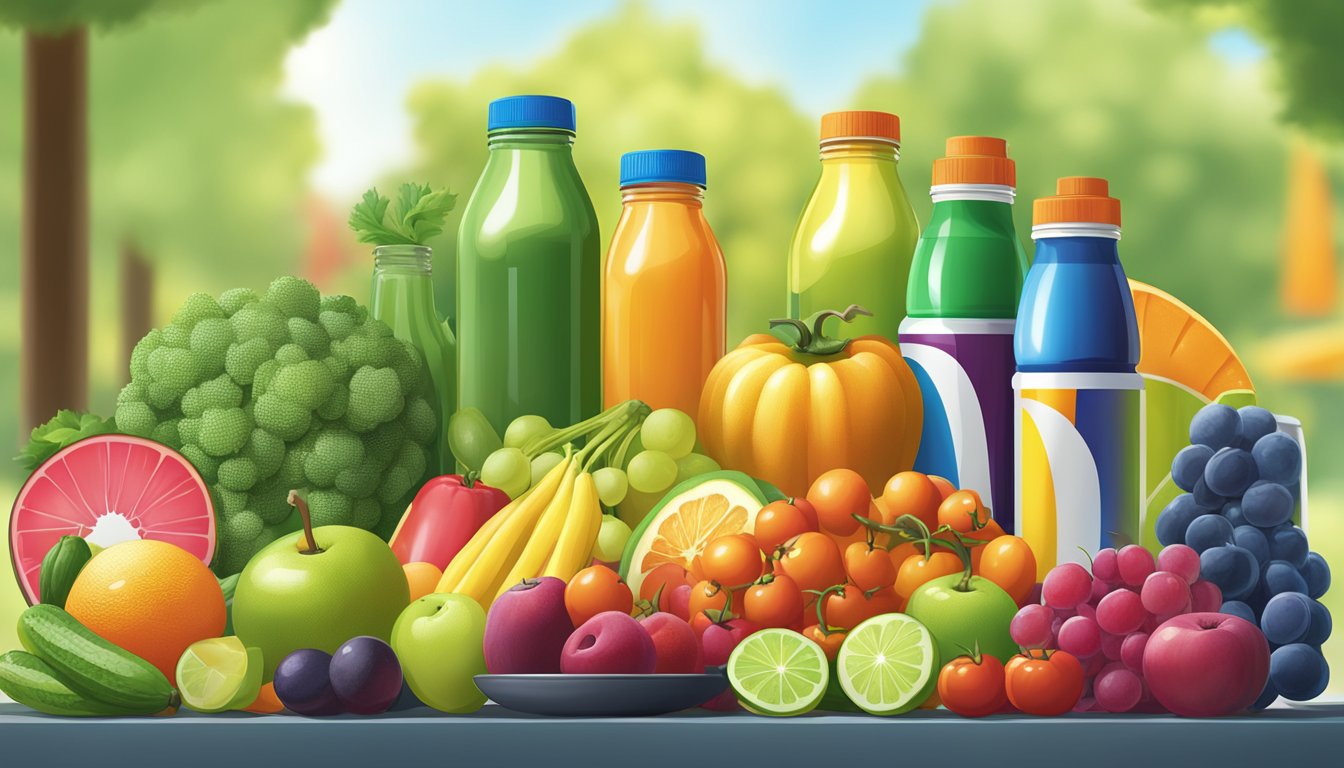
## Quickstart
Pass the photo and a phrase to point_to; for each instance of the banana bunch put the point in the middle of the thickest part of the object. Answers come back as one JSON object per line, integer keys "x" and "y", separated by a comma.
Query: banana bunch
{"x": 548, "y": 531}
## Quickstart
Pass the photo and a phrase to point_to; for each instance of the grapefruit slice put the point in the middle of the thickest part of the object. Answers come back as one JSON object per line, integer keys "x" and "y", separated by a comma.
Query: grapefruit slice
{"x": 109, "y": 489}
{"x": 691, "y": 515}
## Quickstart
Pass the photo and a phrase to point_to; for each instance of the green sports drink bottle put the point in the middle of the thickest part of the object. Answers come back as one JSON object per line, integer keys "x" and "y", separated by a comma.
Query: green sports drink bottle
{"x": 529, "y": 273}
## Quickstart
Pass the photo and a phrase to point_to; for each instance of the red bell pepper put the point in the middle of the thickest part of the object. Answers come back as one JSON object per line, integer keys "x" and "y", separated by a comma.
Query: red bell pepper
{"x": 443, "y": 517}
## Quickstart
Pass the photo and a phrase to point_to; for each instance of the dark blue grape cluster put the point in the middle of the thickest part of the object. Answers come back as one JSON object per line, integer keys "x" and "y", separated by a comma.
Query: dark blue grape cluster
{"x": 1241, "y": 478}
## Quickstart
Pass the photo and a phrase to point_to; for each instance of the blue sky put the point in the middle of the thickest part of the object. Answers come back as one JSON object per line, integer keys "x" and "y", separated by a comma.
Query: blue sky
{"x": 356, "y": 71}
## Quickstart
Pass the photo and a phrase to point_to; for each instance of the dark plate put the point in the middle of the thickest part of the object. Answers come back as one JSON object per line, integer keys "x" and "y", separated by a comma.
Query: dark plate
{"x": 601, "y": 695}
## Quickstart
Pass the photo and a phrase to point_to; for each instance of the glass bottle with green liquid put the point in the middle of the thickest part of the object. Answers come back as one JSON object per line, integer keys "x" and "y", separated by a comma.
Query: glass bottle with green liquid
{"x": 529, "y": 263}
{"x": 856, "y": 237}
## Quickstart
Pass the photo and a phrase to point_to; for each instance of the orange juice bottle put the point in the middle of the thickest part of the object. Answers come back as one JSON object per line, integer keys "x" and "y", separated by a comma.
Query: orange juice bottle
{"x": 663, "y": 290}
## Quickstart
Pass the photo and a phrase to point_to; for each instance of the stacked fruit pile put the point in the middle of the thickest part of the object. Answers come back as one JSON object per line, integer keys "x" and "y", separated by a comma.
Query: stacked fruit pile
{"x": 1242, "y": 480}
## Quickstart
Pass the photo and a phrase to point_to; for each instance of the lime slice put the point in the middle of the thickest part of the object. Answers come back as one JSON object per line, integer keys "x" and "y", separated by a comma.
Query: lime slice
{"x": 219, "y": 674}
{"x": 778, "y": 672}
{"x": 888, "y": 664}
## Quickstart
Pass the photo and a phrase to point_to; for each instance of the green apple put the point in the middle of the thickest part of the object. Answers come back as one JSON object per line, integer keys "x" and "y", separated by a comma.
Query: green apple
{"x": 962, "y": 613}
{"x": 438, "y": 640}
{"x": 317, "y": 588}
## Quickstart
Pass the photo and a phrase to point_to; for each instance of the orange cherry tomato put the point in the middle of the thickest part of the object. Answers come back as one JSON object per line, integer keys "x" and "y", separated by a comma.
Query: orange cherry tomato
{"x": 914, "y": 494}
{"x": 666, "y": 577}
{"x": 1044, "y": 686}
{"x": 901, "y": 552}
{"x": 963, "y": 510}
{"x": 596, "y": 589}
{"x": 1009, "y": 562}
{"x": 869, "y": 568}
{"x": 838, "y": 495}
{"x": 733, "y": 561}
{"x": 945, "y": 486}
{"x": 781, "y": 521}
{"x": 991, "y": 531}
{"x": 708, "y": 596}
{"x": 813, "y": 561}
{"x": 830, "y": 643}
{"x": 973, "y": 686}
{"x": 774, "y": 603}
{"x": 917, "y": 571}
{"x": 847, "y": 609}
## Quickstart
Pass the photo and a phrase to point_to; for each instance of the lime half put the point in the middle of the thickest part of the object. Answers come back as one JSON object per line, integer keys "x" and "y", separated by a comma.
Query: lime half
{"x": 888, "y": 664}
{"x": 778, "y": 672}
{"x": 219, "y": 674}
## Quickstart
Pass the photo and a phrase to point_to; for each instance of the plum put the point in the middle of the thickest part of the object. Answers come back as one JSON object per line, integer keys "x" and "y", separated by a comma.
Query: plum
{"x": 526, "y": 628}
{"x": 366, "y": 675}
{"x": 303, "y": 683}
{"x": 610, "y": 643}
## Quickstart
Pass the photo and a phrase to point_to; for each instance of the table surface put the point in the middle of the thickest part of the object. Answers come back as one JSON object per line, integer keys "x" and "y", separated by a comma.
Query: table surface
{"x": 497, "y": 736}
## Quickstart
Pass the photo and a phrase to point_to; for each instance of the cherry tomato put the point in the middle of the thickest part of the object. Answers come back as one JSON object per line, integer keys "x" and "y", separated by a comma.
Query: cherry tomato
{"x": 901, "y": 552}
{"x": 838, "y": 495}
{"x": 830, "y": 643}
{"x": 1044, "y": 686}
{"x": 710, "y": 596}
{"x": 912, "y": 493}
{"x": 847, "y": 609}
{"x": 869, "y": 568}
{"x": 774, "y": 603}
{"x": 945, "y": 486}
{"x": 885, "y": 600}
{"x": 973, "y": 686}
{"x": 733, "y": 561}
{"x": 594, "y": 590}
{"x": 780, "y": 521}
{"x": 991, "y": 531}
{"x": 963, "y": 510}
{"x": 917, "y": 571}
{"x": 666, "y": 577}
{"x": 813, "y": 561}
{"x": 1009, "y": 562}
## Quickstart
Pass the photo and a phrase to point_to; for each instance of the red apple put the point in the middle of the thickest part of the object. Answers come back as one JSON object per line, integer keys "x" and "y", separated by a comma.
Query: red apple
{"x": 1206, "y": 664}
{"x": 675, "y": 643}
{"x": 718, "y": 641}
{"x": 610, "y": 643}
{"x": 527, "y": 628}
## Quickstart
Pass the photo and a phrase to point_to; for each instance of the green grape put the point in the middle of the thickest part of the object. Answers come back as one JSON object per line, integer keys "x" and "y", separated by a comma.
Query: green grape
{"x": 652, "y": 472}
{"x": 611, "y": 539}
{"x": 508, "y": 470}
{"x": 670, "y": 431}
{"x": 523, "y": 429}
{"x": 543, "y": 464}
{"x": 611, "y": 485}
{"x": 471, "y": 438}
{"x": 635, "y": 448}
{"x": 694, "y": 465}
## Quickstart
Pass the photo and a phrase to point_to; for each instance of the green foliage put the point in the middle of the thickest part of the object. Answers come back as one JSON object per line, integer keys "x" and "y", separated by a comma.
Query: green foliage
{"x": 417, "y": 216}
{"x": 266, "y": 424}
{"x": 60, "y": 15}
{"x": 65, "y": 428}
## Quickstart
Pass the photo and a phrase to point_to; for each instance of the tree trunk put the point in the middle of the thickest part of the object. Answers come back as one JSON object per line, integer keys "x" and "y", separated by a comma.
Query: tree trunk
{"x": 55, "y": 257}
{"x": 137, "y": 296}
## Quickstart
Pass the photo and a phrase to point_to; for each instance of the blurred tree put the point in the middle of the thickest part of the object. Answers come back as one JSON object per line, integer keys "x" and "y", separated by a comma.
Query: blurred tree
{"x": 1310, "y": 285}
{"x": 1189, "y": 144}
{"x": 643, "y": 82}
{"x": 1303, "y": 39}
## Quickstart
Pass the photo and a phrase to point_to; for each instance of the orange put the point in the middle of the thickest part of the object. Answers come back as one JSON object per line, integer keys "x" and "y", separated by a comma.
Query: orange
{"x": 1179, "y": 345}
{"x": 152, "y": 598}
{"x": 422, "y": 578}
{"x": 681, "y": 537}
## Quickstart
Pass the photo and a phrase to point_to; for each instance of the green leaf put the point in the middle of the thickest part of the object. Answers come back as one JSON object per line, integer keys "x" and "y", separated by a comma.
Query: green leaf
{"x": 65, "y": 428}
{"x": 366, "y": 219}
{"x": 417, "y": 215}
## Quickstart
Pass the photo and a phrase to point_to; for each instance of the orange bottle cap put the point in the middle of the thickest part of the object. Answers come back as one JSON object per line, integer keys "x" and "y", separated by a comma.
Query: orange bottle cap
{"x": 975, "y": 160}
{"x": 861, "y": 125}
{"x": 1077, "y": 199}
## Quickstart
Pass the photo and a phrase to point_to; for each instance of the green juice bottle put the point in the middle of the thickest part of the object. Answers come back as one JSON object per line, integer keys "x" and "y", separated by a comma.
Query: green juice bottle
{"x": 857, "y": 235}
{"x": 403, "y": 298}
{"x": 529, "y": 273}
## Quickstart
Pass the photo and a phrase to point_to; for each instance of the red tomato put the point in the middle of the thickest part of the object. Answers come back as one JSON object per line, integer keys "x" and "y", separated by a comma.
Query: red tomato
{"x": 847, "y": 609}
{"x": 1009, "y": 562}
{"x": 775, "y": 603}
{"x": 914, "y": 494}
{"x": 869, "y": 568}
{"x": 963, "y": 511}
{"x": 838, "y": 495}
{"x": 973, "y": 687}
{"x": 733, "y": 561}
{"x": 885, "y": 600}
{"x": 830, "y": 643}
{"x": 781, "y": 521}
{"x": 1044, "y": 686}
{"x": 596, "y": 589}
{"x": 917, "y": 571}
{"x": 813, "y": 561}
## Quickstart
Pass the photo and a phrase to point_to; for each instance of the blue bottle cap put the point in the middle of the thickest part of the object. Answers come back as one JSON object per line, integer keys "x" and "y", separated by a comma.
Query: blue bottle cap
{"x": 531, "y": 112}
{"x": 655, "y": 165}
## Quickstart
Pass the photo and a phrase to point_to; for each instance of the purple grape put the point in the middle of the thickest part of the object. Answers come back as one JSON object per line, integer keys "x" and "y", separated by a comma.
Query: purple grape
{"x": 1286, "y": 618}
{"x": 366, "y": 675}
{"x": 1121, "y": 612}
{"x": 1233, "y": 569}
{"x": 1117, "y": 688}
{"x": 1180, "y": 560}
{"x": 1031, "y": 627}
{"x": 1298, "y": 671}
{"x": 1066, "y": 586}
{"x": 1215, "y": 425}
{"x": 1207, "y": 532}
{"x": 1104, "y": 566}
{"x": 1280, "y": 577}
{"x": 1253, "y": 540}
{"x": 1267, "y": 505}
{"x": 1267, "y": 696}
{"x": 1172, "y": 523}
{"x": 1279, "y": 458}
{"x": 1165, "y": 593}
{"x": 1288, "y": 543}
{"x": 1131, "y": 650}
{"x": 1079, "y": 636}
{"x": 303, "y": 683}
{"x": 1188, "y": 465}
{"x": 1316, "y": 573}
{"x": 1240, "y": 610}
{"x": 1321, "y": 624}
{"x": 1256, "y": 422}
{"x": 1134, "y": 563}
{"x": 1230, "y": 472}
{"x": 1205, "y": 497}
{"x": 1232, "y": 511}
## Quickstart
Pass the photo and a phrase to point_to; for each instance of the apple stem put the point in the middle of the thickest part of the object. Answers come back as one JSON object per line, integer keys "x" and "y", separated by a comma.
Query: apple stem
{"x": 296, "y": 501}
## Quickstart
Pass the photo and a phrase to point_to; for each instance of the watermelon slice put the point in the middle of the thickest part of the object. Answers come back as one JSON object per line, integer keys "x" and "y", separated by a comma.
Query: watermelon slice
{"x": 109, "y": 489}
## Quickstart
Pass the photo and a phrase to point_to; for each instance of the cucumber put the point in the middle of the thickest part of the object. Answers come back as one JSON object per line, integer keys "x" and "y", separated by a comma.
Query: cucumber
{"x": 60, "y": 566}
{"x": 91, "y": 665}
{"x": 33, "y": 683}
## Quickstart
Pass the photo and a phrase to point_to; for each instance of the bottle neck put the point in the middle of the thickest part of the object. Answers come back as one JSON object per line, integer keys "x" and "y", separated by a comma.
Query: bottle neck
{"x": 403, "y": 260}
{"x": 988, "y": 193}
{"x": 840, "y": 150}
{"x": 1075, "y": 230}
{"x": 546, "y": 139}
{"x": 663, "y": 192}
